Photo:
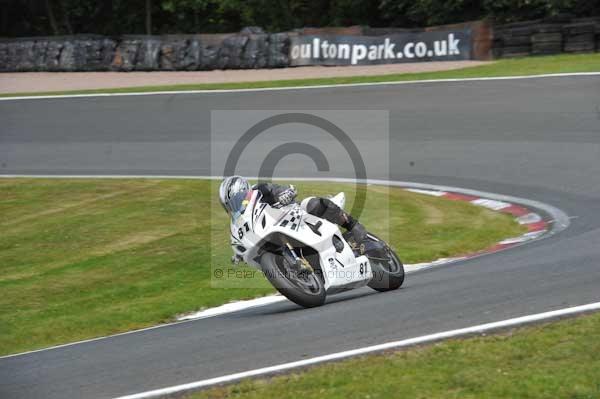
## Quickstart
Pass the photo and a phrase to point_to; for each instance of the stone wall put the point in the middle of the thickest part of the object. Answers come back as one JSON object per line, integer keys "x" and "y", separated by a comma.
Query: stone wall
{"x": 249, "y": 49}
{"x": 252, "y": 48}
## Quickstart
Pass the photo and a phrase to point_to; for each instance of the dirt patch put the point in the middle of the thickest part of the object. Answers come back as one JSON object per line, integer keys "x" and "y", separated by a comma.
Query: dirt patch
{"x": 61, "y": 81}
{"x": 62, "y": 208}
{"x": 433, "y": 215}
{"x": 131, "y": 241}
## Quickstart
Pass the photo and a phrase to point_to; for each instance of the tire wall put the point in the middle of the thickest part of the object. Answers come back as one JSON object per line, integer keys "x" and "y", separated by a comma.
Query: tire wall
{"x": 560, "y": 34}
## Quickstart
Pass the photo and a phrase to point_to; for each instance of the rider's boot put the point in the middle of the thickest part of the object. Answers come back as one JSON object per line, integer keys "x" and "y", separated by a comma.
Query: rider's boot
{"x": 359, "y": 233}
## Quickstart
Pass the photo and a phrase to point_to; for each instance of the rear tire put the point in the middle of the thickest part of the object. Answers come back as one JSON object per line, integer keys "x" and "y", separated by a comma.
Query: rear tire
{"x": 387, "y": 276}
{"x": 308, "y": 292}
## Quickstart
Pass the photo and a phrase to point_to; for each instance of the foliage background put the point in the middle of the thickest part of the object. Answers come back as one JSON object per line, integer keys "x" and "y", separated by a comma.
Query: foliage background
{"x": 117, "y": 17}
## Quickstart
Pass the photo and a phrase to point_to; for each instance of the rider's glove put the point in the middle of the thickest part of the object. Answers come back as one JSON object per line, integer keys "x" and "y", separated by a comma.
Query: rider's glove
{"x": 287, "y": 196}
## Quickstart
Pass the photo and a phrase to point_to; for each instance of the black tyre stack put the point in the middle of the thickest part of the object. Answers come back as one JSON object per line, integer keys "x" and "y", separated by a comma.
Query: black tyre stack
{"x": 514, "y": 40}
{"x": 554, "y": 35}
{"x": 580, "y": 37}
{"x": 546, "y": 39}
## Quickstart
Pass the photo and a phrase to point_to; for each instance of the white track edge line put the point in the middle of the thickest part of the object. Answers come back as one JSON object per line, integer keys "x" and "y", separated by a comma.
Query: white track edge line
{"x": 221, "y": 91}
{"x": 561, "y": 222}
{"x": 231, "y": 307}
{"x": 366, "y": 350}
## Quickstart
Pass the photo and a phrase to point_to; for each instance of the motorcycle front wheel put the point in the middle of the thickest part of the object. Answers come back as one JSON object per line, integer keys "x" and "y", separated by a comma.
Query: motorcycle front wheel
{"x": 303, "y": 288}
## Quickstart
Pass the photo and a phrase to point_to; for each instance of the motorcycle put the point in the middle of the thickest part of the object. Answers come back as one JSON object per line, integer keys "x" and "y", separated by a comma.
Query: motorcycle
{"x": 307, "y": 258}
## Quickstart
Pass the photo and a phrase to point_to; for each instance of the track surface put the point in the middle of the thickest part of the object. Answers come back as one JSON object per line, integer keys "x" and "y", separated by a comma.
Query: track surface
{"x": 537, "y": 138}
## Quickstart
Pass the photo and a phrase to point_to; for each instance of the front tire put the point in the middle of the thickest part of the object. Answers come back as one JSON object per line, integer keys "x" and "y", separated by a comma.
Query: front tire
{"x": 307, "y": 290}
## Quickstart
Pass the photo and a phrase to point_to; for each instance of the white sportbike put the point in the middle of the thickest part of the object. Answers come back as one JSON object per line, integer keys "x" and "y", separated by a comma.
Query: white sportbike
{"x": 306, "y": 257}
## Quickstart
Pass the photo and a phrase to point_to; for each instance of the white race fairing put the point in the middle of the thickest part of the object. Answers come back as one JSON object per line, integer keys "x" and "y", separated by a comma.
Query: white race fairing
{"x": 260, "y": 224}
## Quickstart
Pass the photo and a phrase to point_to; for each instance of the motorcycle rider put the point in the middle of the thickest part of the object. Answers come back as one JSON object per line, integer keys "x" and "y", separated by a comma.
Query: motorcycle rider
{"x": 235, "y": 190}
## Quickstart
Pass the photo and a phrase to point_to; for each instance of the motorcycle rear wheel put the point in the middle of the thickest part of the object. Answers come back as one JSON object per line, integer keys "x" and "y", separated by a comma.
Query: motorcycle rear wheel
{"x": 388, "y": 271}
{"x": 305, "y": 289}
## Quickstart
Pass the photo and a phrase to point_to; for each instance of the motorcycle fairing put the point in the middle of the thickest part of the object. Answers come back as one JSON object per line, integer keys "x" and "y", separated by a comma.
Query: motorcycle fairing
{"x": 260, "y": 223}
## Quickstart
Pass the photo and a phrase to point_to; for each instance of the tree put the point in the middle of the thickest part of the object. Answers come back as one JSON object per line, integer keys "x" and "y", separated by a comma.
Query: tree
{"x": 148, "y": 17}
{"x": 65, "y": 14}
{"x": 52, "y": 18}
{"x": 117, "y": 17}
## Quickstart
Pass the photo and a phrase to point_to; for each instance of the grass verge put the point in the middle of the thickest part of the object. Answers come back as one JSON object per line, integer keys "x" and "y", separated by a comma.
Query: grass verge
{"x": 83, "y": 258}
{"x": 559, "y": 360}
{"x": 506, "y": 67}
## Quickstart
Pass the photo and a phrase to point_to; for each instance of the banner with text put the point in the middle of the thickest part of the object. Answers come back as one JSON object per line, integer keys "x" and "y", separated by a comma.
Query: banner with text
{"x": 388, "y": 49}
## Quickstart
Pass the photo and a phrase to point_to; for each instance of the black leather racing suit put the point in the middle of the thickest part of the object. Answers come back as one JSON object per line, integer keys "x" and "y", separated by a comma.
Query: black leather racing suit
{"x": 317, "y": 206}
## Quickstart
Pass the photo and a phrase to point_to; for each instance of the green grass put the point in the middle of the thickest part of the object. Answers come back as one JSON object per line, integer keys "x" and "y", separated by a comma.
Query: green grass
{"x": 505, "y": 67}
{"x": 83, "y": 258}
{"x": 560, "y": 360}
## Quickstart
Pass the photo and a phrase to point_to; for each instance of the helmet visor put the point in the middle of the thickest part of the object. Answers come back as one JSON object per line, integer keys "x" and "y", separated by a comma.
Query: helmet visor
{"x": 237, "y": 203}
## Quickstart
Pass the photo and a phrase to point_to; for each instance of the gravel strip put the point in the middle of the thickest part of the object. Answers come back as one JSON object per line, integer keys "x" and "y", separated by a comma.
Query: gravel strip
{"x": 59, "y": 81}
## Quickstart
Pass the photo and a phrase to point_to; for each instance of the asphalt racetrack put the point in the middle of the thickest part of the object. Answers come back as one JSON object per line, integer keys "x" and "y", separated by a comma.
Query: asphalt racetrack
{"x": 534, "y": 138}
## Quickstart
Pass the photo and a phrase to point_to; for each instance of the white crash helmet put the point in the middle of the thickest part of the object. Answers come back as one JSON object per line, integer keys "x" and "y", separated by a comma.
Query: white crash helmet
{"x": 232, "y": 194}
